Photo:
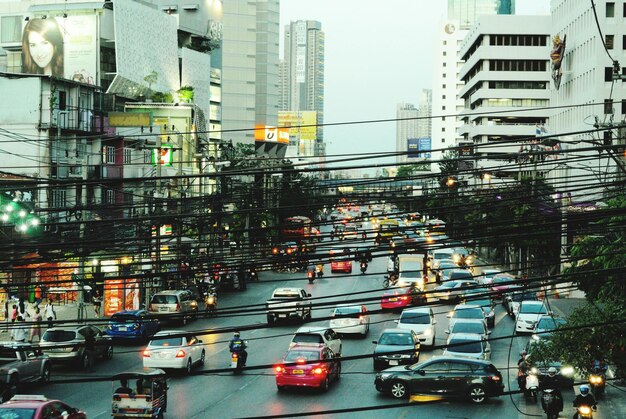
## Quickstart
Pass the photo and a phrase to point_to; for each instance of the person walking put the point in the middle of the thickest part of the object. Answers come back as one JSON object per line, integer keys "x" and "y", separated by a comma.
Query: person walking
{"x": 49, "y": 313}
{"x": 97, "y": 302}
{"x": 36, "y": 328}
{"x": 14, "y": 313}
{"x": 20, "y": 331}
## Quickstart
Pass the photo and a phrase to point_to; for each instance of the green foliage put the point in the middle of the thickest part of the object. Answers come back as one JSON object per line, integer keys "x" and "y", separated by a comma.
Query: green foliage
{"x": 160, "y": 97}
{"x": 449, "y": 164}
{"x": 185, "y": 94}
{"x": 410, "y": 170}
{"x": 151, "y": 78}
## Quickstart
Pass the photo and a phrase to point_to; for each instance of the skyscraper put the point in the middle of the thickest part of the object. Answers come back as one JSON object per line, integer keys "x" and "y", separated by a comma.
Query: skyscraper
{"x": 406, "y": 128}
{"x": 467, "y": 11}
{"x": 425, "y": 105}
{"x": 302, "y": 72}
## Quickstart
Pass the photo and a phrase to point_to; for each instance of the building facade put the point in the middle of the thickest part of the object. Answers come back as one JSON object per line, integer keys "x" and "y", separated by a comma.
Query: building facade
{"x": 424, "y": 112}
{"x": 406, "y": 128}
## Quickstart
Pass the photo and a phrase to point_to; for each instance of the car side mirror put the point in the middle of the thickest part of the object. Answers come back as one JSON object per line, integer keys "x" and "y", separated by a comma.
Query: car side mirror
{"x": 199, "y": 341}
{"x": 434, "y": 322}
{"x": 397, "y": 321}
{"x": 421, "y": 372}
{"x": 308, "y": 295}
{"x": 448, "y": 315}
{"x": 487, "y": 350}
{"x": 375, "y": 342}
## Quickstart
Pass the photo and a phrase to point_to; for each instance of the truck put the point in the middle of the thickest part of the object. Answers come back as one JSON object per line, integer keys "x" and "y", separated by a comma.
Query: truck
{"x": 412, "y": 269}
{"x": 288, "y": 303}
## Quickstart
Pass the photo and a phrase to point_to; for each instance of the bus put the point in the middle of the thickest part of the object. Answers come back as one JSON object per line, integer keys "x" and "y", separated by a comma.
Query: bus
{"x": 388, "y": 228}
{"x": 296, "y": 228}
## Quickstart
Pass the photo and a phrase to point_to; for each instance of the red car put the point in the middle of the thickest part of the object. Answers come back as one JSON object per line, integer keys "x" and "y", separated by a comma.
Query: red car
{"x": 501, "y": 284}
{"x": 38, "y": 407}
{"x": 399, "y": 298}
{"x": 308, "y": 366}
{"x": 340, "y": 262}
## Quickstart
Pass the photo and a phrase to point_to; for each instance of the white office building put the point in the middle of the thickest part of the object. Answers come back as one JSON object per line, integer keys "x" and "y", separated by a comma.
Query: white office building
{"x": 406, "y": 128}
{"x": 424, "y": 111}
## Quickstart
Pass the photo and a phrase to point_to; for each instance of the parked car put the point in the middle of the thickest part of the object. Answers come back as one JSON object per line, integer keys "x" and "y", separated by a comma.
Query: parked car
{"x": 34, "y": 406}
{"x": 471, "y": 345}
{"x": 132, "y": 324}
{"x": 396, "y": 347}
{"x": 546, "y": 325}
{"x": 76, "y": 344}
{"x": 22, "y": 363}
{"x": 453, "y": 290}
{"x": 486, "y": 304}
{"x": 399, "y": 298}
{"x": 422, "y": 321}
{"x": 444, "y": 377}
{"x": 466, "y": 311}
{"x": 174, "y": 305}
{"x": 470, "y": 326}
{"x": 317, "y": 336}
{"x": 168, "y": 349}
{"x": 528, "y": 315}
{"x": 299, "y": 368}
{"x": 350, "y": 319}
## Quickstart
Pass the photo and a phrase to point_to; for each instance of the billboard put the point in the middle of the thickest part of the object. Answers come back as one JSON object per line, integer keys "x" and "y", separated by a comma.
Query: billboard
{"x": 301, "y": 124}
{"x": 416, "y": 148}
{"x": 62, "y": 47}
{"x": 271, "y": 134}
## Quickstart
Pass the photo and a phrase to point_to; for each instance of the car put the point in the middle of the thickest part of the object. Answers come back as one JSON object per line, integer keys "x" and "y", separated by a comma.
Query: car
{"x": 486, "y": 277}
{"x": 174, "y": 305}
{"x": 286, "y": 249}
{"x": 466, "y": 311}
{"x": 513, "y": 299}
{"x": 471, "y": 345}
{"x": 442, "y": 273}
{"x": 460, "y": 274}
{"x": 317, "y": 336}
{"x": 453, "y": 290}
{"x": 470, "y": 326}
{"x": 399, "y": 298}
{"x": 546, "y": 325}
{"x": 340, "y": 261}
{"x": 438, "y": 255}
{"x": 23, "y": 363}
{"x": 132, "y": 324}
{"x": 502, "y": 284}
{"x": 79, "y": 345}
{"x": 486, "y": 304}
{"x": 350, "y": 232}
{"x": 449, "y": 377}
{"x": 363, "y": 253}
{"x": 173, "y": 349}
{"x": 300, "y": 369}
{"x": 528, "y": 315}
{"x": 350, "y": 319}
{"x": 33, "y": 406}
{"x": 422, "y": 321}
{"x": 396, "y": 347}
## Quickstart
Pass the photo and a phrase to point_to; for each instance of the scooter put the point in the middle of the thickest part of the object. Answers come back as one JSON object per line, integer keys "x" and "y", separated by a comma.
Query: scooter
{"x": 319, "y": 270}
{"x": 210, "y": 300}
{"x": 363, "y": 267}
{"x": 236, "y": 362}
{"x": 585, "y": 412}
{"x": 550, "y": 403}
{"x": 532, "y": 384}
{"x": 597, "y": 384}
{"x": 253, "y": 275}
{"x": 310, "y": 274}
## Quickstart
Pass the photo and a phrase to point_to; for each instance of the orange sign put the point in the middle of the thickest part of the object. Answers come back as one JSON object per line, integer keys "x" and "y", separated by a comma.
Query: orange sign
{"x": 271, "y": 134}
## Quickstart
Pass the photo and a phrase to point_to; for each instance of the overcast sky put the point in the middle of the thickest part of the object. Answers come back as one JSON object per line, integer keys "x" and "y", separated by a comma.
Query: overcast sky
{"x": 378, "y": 53}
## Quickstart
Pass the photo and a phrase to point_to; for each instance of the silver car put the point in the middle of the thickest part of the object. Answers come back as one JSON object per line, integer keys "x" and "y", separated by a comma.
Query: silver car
{"x": 469, "y": 345}
{"x": 76, "y": 344}
{"x": 21, "y": 363}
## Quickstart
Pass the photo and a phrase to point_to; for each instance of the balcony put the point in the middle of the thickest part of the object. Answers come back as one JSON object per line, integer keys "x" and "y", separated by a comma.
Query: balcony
{"x": 112, "y": 172}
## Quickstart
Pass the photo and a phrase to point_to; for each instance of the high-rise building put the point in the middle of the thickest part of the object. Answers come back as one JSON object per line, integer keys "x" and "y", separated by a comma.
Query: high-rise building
{"x": 302, "y": 73}
{"x": 406, "y": 128}
{"x": 468, "y": 11}
{"x": 424, "y": 111}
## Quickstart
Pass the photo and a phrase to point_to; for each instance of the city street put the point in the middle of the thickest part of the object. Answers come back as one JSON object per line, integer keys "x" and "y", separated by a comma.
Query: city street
{"x": 254, "y": 393}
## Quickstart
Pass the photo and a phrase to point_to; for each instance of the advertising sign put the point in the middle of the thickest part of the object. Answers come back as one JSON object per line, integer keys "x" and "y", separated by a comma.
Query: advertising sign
{"x": 120, "y": 294}
{"x": 271, "y": 134}
{"x": 163, "y": 156}
{"x": 425, "y": 144}
{"x": 300, "y": 124}
{"x": 412, "y": 148}
{"x": 62, "y": 47}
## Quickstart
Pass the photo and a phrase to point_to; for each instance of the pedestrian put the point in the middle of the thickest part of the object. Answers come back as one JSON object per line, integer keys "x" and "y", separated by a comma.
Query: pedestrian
{"x": 19, "y": 332}
{"x": 97, "y": 303}
{"x": 14, "y": 313}
{"x": 49, "y": 313}
{"x": 36, "y": 328}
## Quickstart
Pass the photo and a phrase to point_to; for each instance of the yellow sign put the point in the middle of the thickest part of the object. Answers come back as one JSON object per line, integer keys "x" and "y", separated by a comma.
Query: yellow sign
{"x": 129, "y": 119}
{"x": 271, "y": 134}
{"x": 302, "y": 125}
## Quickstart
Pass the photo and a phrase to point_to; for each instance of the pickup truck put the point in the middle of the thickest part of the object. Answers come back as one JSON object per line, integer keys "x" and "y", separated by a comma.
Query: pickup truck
{"x": 21, "y": 363}
{"x": 288, "y": 303}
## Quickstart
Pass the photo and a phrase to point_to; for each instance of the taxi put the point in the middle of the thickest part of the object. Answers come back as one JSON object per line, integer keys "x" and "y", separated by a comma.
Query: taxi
{"x": 340, "y": 261}
{"x": 400, "y": 298}
{"x": 307, "y": 366}
{"x": 38, "y": 407}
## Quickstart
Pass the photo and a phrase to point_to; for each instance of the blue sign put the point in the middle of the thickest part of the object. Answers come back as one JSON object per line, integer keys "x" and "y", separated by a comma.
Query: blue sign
{"x": 412, "y": 148}
{"x": 425, "y": 144}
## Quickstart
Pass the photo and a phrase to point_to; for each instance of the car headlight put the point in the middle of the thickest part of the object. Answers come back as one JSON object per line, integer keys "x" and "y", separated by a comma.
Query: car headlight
{"x": 534, "y": 370}
{"x": 567, "y": 371}
{"x": 428, "y": 332}
{"x": 535, "y": 336}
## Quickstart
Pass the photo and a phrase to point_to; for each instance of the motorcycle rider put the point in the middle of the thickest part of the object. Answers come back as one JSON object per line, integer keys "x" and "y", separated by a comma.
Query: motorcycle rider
{"x": 585, "y": 398}
{"x": 551, "y": 381}
{"x": 523, "y": 366}
{"x": 238, "y": 346}
{"x": 319, "y": 269}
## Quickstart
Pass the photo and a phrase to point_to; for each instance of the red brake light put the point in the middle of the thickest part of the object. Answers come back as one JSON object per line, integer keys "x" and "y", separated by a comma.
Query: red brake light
{"x": 301, "y": 360}
{"x": 318, "y": 370}
{"x": 146, "y": 353}
{"x": 180, "y": 354}
{"x": 404, "y": 298}
{"x": 279, "y": 368}
{"x": 494, "y": 377}
{"x": 361, "y": 317}
{"x": 177, "y": 307}
{"x": 275, "y": 250}
{"x": 289, "y": 251}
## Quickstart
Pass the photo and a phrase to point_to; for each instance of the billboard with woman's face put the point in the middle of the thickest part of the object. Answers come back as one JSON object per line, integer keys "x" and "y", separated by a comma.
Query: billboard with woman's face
{"x": 62, "y": 47}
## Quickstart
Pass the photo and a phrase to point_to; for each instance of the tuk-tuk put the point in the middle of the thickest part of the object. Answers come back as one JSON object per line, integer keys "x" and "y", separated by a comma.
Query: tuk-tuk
{"x": 140, "y": 394}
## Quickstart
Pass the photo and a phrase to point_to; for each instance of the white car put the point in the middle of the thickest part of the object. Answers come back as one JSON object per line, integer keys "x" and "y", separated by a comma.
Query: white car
{"x": 168, "y": 349}
{"x": 439, "y": 254}
{"x": 486, "y": 277}
{"x": 528, "y": 314}
{"x": 470, "y": 326}
{"x": 422, "y": 321}
{"x": 469, "y": 345}
{"x": 312, "y": 335}
{"x": 353, "y": 319}
{"x": 466, "y": 311}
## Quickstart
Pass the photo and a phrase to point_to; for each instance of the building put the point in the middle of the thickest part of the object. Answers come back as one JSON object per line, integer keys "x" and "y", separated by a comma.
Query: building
{"x": 302, "y": 74}
{"x": 446, "y": 83}
{"x": 406, "y": 128}
{"x": 505, "y": 72}
{"x": 424, "y": 112}
{"x": 587, "y": 78}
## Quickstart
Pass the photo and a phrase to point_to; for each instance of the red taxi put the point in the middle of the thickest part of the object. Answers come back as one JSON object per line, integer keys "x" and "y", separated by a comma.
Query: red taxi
{"x": 38, "y": 407}
{"x": 340, "y": 262}
{"x": 399, "y": 298}
{"x": 307, "y": 366}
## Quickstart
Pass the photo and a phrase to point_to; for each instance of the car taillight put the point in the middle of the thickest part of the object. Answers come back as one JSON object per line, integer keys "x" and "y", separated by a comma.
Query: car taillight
{"x": 75, "y": 348}
{"x": 318, "y": 370}
{"x": 494, "y": 377}
{"x": 180, "y": 354}
{"x": 275, "y": 250}
{"x": 404, "y": 298}
{"x": 361, "y": 318}
{"x": 279, "y": 368}
{"x": 289, "y": 251}
{"x": 146, "y": 353}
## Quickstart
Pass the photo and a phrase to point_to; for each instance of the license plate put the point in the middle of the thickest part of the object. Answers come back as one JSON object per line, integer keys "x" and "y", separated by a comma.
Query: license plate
{"x": 393, "y": 299}
{"x": 122, "y": 328}
{"x": 282, "y": 315}
{"x": 163, "y": 355}
{"x": 163, "y": 309}
{"x": 392, "y": 362}
{"x": 297, "y": 372}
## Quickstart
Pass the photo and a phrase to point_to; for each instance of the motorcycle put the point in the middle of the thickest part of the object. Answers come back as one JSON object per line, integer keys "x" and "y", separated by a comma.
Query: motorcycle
{"x": 210, "y": 300}
{"x": 253, "y": 275}
{"x": 363, "y": 267}
{"x": 550, "y": 403}
{"x": 585, "y": 412}
{"x": 310, "y": 275}
{"x": 597, "y": 384}
{"x": 390, "y": 280}
{"x": 532, "y": 384}
{"x": 319, "y": 270}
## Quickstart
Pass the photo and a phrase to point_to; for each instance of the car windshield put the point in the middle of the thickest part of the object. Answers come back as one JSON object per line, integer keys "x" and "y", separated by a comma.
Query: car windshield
{"x": 307, "y": 338}
{"x": 395, "y": 339}
{"x": 442, "y": 255}
{"x": 447, "y": 265}
{"x": 415, "y": 318}
{"x": 518, "y": 297}
{"x": 465, "y": 346}
{"x": 501, "y": 279}
{"x": 449, "y": 284}
{"x": 293, "y": 356}
{"x": 163, "y": 299}
{"x": 122, "y": 318}
{"x": 461, "y": 275}
{"x": 485, "y": 302}
{"x": 7, "y": 355}
{"x": 548, "y": 323}
{"x": 59, "y": 335}
{"x": 533, "y": 309}
{"x": 16, "y": 413}
{"x": 166, "y": 341}
{"x": 468, "y": 327}
{"x": 347, "y": 310}
{"x": 468, "y": 313}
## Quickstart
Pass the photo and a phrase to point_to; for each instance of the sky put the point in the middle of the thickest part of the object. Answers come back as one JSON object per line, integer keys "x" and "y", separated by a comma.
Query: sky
{"x": 378, "y": 54}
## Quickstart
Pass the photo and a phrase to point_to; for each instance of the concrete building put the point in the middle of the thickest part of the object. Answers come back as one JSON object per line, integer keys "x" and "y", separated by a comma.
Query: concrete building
{"x": 424, "y": 112}
{"x": 468, "y": 11}
{"x": 505, "y": 71}
{"x": 302, "y": 74}
{"x": 587, "y": 78}
{"x": 406, "y": 128}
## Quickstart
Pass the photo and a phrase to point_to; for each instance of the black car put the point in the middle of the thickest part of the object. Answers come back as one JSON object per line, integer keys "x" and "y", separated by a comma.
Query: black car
{"x": 363, "y": 253}
{"x": 444, "y": 376}
{"x": 396, "y": 347}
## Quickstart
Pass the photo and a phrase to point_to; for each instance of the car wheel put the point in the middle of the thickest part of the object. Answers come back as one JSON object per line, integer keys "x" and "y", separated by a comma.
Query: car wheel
{"x": 325, "y": 385}
{"x": 398, "y": 390}
{"x": 45, "y": 373}
{"x": 189, "y": 367}
{"x": 108, "y": 354}
{"x": 11, "y": 389}
{"x": 202, "y": 357}
{"x": 477, "y": 394}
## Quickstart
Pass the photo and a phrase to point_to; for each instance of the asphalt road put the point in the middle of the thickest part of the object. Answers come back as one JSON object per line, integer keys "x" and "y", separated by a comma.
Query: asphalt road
{"x": 254, "y": 393}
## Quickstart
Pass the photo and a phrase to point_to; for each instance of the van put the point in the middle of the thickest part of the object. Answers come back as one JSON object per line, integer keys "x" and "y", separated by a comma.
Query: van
{"x": 438, "y": 255}
{"x": 411, "y": 270}
{"x": 179, "y": 305}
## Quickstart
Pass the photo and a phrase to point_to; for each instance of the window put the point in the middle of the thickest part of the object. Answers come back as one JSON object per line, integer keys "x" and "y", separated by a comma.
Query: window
{"x": 609, "y": 40}
{"x": 445, "y": 42}
{"x": 624, "y": 38}
{"x": 608, "y": 73}
{"x": 109, "y": 196}
{"x": 108, "y": 155}
{"x": 624, "y": 11}
{"x": 443, "y": 86}
{"x": 443, "y": 129}
{"x": 128, "y": 154}
{"x": 443, "y": 96}
{"x": 610, "y": 9}
{"x": 608, "y": 106}
{"x": 445, "y": 53}
{"x": 11, "y": 27}
{"x": 58, "y": 198}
